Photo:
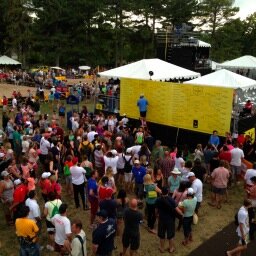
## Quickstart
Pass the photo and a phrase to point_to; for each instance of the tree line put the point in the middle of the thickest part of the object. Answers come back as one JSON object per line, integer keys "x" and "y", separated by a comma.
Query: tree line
{"x": 112, "y": 32}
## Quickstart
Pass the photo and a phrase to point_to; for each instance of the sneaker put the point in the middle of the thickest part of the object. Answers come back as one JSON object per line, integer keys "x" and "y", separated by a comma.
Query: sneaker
{"x": 50, "y": 248}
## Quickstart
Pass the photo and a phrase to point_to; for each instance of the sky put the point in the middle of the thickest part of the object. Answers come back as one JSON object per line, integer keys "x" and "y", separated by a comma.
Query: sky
{"x": 247, "y": 7}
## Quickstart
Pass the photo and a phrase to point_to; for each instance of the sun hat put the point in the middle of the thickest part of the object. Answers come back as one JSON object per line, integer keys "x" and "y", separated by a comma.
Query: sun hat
{"x": 176, "y": 171}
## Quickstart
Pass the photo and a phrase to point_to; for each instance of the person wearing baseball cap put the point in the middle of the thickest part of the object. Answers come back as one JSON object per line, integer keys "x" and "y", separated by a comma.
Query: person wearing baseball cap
{"x": 197, "y": 186}
{"x": 189, "y": 207}
{"x": 138, "y": 173}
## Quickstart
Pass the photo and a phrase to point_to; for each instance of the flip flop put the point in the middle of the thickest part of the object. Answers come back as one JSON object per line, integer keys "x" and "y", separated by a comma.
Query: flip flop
{"x": 171, "y": 251}
{"x": 160, "y": 250}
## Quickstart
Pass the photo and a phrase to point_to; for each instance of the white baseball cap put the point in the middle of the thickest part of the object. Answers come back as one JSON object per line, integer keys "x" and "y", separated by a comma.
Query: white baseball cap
{"x": 5, "y": 173}
{"x": 17, "y": 182}
{"x": 191, "y": 191}
{"x": 2, "y": 155}
{"x": 46, "y": 175}
{"x": 114, "y": 152}
{"x": 190, "y": 174}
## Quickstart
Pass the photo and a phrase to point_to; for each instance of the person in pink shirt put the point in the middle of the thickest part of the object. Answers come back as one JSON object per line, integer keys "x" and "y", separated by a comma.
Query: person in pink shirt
{"x": 220, "y": 177}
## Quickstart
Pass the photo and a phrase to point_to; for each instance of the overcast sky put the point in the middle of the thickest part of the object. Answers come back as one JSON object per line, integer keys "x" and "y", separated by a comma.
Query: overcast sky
{"x": 247, "y": 7}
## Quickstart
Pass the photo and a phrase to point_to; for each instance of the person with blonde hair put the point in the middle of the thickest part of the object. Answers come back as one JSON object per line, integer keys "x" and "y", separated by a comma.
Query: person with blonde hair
{"x": 151, "y": 190}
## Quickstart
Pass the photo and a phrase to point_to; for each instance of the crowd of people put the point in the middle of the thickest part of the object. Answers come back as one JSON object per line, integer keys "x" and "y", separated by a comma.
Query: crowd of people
{"x": 112, "y": 170}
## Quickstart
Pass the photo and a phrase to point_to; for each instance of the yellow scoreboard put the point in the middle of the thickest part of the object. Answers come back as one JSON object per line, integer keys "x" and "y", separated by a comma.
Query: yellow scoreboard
{"x": 186, "y": 106}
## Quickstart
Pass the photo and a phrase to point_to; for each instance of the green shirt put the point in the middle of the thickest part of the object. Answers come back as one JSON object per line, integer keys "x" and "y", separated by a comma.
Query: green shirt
{"x": 174, "y": 183}
{"x": 189, "y": 206}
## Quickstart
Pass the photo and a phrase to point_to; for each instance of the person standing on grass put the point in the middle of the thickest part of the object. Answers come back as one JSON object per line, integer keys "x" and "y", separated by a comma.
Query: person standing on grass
{"x": 166, "y": 209}
{"x": 237, "y": 155}
{"x": 27, "y": 230}
{"x": 220, "y": 177}
{"x": 188, "y": 206}
{"x": 131, "y": 235}
{"x": 78, "y": 181}
{"x": 242, "y": 229}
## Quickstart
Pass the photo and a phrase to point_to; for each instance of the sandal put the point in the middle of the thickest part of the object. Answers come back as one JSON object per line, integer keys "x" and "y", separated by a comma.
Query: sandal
{"x": 160, "y": 250}
{"x": 172, "y": 250}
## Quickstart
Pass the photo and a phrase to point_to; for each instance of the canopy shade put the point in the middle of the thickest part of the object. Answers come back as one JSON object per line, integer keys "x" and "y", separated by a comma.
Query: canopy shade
{"x": 224, "y": 78}
{"x": 5, "y": 60}
{"x": 84, "y": 68}
{"x": 140, "y": 70}
{"x": 246, "y": 61}
{"x": 58, "y": 68}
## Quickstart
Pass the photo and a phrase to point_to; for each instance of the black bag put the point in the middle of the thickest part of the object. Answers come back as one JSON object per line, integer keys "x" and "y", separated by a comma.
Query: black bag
{"x": 236, "y": 219}
{"x": 127, "y": 165}
{"x": 82, "y": 243}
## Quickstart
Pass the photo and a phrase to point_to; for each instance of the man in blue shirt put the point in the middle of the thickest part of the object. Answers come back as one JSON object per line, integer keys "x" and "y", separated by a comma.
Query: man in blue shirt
{"x": 214, "y": 139}
{"x": 138, "y": 173}
{"x": 142, "y": 103}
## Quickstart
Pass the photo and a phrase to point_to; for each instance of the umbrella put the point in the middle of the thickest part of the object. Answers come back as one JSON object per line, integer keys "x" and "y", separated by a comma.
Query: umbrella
{"x": 84, "y": 68}
{"x": 58, "y": 68}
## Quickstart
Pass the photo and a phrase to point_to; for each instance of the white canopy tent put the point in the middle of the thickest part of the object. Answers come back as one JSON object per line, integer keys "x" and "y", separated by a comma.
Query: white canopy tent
{"x": 225, "y": 78}
{"x": 140, "y": 70}
{"x": 84, "y": 68}
{"x": 244, "y": 62}
{"x": 214, "y": 65}
{"x": 58, "y": 68}
{"x": 5, "y": 60}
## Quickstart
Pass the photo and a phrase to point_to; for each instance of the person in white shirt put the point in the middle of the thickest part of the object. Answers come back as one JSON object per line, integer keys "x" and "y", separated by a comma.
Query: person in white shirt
{"x": 110, "y": 160}
{"x": 14, "y": 103}
{"x": 78, "y": 180}
{"x": 25, "y": 145}
{"x": 124, "y": 120}
{"x": 34, "y": 213}
{"x": 78, "y": 245}
{"x": 242, "y": 229}
{"x": 237, "y": 155}
{"x": 44, "y": 147}
{"x": 248, "y": 175}
{"x": 91, "y": 134}
{"x": 63, "y": 232}
{"x": 197, "y": 186}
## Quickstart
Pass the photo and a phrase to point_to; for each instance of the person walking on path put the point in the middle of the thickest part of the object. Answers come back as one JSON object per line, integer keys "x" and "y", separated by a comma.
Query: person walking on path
{"x": 242, "y": 229}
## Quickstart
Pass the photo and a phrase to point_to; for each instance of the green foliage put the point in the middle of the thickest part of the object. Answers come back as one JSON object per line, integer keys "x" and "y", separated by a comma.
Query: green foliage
{"x": 113, "y": 32}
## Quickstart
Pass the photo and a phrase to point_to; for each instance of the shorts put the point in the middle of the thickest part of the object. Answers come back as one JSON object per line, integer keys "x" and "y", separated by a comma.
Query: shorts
{"x": 127, "y": 177}
{"x": 166, "y": 229}
{"x": 61, "y": 114}
{"x": 219, "y": 191}
{"x": 58, "y": 247}
{"x": 68, "y": 180}
{"x": 132, "y": 241}
{"x": 94, "y": 206}
{"x": 143, "y": 113}
{"x": 236, "y": 170}
{"x": 247, "y": 240}
{"x": 50, "y": 227}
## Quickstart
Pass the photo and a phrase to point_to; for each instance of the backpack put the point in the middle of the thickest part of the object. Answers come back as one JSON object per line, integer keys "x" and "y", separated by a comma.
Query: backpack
{"x": 55, "y": 209}
{"x": 66, "y": 170}
{"x": 127, "y": 165}
{"x": 82, "y": 243}
{"x": 236, "y": 219}
{"x": 139, "y": 138}
{"x": 85, "y": 149}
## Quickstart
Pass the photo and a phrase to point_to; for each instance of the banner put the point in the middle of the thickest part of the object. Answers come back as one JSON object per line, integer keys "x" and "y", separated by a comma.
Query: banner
{"x": 191, "y": 107}
{"x": 251, "y": 133}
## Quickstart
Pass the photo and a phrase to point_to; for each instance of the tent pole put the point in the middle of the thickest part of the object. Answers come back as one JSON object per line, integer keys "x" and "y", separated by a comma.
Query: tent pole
{"x": 177, "y": 135}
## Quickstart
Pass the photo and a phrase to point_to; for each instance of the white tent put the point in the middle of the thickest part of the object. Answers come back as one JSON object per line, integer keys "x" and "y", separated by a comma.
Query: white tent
{"x": 140, "y": 70}
{"x": 214, "y": 65}
{"x": 224, "y": 78}
{"x": 58, "y": 68}
{"x": 5, "y": 60}
{"x": 244, "y": 62}
{"x": 84, "y": 68}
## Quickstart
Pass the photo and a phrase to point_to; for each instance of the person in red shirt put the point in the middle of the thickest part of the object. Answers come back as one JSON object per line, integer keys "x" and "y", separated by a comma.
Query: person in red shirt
{"x": 248, "y": 107}
{"x": 55, "y": 187}
{"x": 19, "y": 197}
{"x": 225, "y": 154}
{"x": 5, "y": 103}
{"x": 104, "y": 189}
{"x": 45, "y": 185}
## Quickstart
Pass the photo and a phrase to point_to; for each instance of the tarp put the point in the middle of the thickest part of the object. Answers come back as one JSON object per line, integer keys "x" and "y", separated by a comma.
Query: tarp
{"x": 5, "y": 60}
{"x": 224, "y": 78}
{"x": 245, "y": 62}
{"x": 140, "y": 70}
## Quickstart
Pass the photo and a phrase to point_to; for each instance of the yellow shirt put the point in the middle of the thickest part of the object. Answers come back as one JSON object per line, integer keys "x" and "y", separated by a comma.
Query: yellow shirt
{"x": 26, "y": 227}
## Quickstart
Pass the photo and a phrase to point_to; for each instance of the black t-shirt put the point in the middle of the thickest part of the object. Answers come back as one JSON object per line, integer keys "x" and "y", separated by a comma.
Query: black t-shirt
{"x": 103, "y": 236}
{"x": 166, "y": 208}
{"x": 132, "y": 220}
{"x": 110, "y": 207}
